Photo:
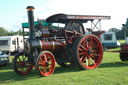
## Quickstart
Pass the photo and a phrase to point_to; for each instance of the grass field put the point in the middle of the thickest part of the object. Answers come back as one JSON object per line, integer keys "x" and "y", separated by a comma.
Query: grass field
{"x": 112, "y": 71}
{"x": 122, "y": 41}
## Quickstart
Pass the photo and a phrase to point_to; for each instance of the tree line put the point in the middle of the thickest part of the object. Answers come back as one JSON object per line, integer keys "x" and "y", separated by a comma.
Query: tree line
{"x": 4, "y": 32}
{"x": 120, "y": 33}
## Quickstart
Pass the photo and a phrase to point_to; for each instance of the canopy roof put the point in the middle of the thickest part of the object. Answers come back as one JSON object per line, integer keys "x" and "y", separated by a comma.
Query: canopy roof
{"x": 62, "y": 18}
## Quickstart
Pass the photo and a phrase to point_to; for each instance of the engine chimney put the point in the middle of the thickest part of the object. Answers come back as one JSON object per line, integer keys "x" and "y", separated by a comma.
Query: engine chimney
{"x": 30, "y": 20}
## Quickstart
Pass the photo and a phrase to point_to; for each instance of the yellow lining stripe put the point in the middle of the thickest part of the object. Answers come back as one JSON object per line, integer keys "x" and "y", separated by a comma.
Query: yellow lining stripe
{"x": 53, "y": 45}
{"x": 41, "y": 44}
{"x": 30, "y": 9}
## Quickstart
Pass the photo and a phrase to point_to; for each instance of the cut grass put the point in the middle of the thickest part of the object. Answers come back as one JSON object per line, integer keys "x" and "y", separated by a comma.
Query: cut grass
{"x": 112, "y": 71}
{"x": 122, "y": 41}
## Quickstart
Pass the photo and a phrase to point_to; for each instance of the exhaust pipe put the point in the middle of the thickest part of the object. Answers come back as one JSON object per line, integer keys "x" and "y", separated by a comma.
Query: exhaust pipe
{"x": 30, "y": 20}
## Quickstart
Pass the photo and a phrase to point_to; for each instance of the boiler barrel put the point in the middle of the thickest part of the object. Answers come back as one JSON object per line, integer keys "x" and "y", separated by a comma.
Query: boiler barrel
{"x": 44, "y": 45}
{"x": 52, "y": 45}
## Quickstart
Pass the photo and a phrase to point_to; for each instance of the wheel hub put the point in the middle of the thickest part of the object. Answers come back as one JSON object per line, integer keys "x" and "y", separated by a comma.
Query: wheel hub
{"x": 22, "y": 64}
{"x": 46, "y": 64}
{"x": 89, "y": 51}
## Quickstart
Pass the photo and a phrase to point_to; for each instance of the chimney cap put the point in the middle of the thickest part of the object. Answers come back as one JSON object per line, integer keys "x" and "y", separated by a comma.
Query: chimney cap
{"x": 30, "y": 7}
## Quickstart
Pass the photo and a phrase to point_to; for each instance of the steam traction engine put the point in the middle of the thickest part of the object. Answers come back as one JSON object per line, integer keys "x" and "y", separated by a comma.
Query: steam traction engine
{"x": 67, "y": 46}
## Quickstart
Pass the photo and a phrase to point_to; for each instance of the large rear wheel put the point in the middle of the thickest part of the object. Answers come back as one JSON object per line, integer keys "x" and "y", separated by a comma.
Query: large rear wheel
{"x": 45, "y": 63}
{"x": 88, "y": 52}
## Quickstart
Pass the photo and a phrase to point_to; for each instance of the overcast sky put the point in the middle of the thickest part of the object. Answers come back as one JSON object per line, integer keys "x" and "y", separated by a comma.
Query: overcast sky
{"x": 13, "y": 12}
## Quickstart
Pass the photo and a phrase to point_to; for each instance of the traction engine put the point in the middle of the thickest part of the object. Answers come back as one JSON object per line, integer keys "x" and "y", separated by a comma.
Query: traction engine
{"x": 67, "y": 46}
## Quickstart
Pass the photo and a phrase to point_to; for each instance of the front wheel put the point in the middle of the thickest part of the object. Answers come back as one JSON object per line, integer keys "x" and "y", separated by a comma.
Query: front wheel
{"x": 21, "y": 64}
{"x": 45, "y": 63}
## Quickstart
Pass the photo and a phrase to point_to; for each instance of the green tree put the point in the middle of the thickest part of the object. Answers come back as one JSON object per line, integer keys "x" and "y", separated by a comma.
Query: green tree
{"x": 19, "y": 32}
{"x": 3, "y": 32}
{"x": 114, "y": 30}
{"x": 119, "y": 33}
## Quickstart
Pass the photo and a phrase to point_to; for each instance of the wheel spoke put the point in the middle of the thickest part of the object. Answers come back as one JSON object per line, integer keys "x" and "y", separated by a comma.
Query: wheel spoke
{"x": 94, "y": 50}
{"x": 91, "y": 43}
{"x": 24, "y": 58}
{"x": 96, "y": 54}
{"x": 19, "y": 59}
{"x": 81, "y": 53}
{"x": 45, "y": 58}
{"x": 72, "y": 25}
{"x": 84, "y": 59}
{"x": 44, "y": 70}
{"x": 49, "y": 60}
{"x": 71, "y": 38}
{"x": 41, "y": 59}
{"x": 78, "y": 26}
{"x": 81, "y": 58}
{"x": 20, "y": 69}
{"x": 94, "y": 46}
{"x": 86, "y": 62}
{"x": 92, "y": 60}
{"x": 91, "y": 55}
{"x": 41, "y": 66}
{"x": 86, "y": 43}
{"x": 77, "y": 33}
{"x": 89, "y": 60}
{"x": 49, "y": 68}
{"x": 40, "y": 62}
{"x": 68, "y": 31}
{"x": 83, "y": 47}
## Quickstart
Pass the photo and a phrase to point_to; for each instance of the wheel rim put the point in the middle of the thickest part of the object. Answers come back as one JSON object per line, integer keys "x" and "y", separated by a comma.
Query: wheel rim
{"x": 22, "y": 65}
{"x": 73, "y": 30}
{"x": 46, "y": 64}
{"x": 90, "y": 52}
